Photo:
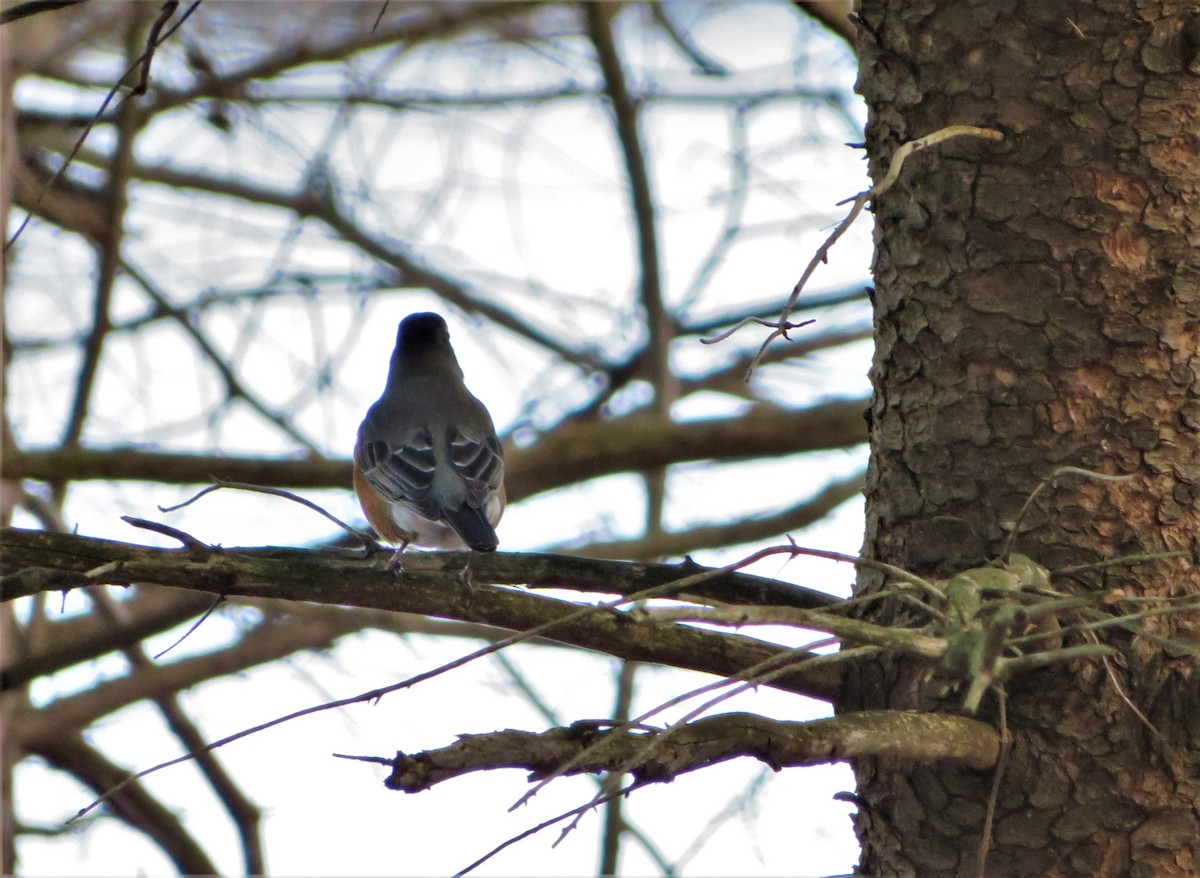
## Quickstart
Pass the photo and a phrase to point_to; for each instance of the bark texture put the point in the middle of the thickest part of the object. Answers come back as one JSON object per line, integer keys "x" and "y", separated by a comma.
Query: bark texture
{"x": 1038, "y": 306}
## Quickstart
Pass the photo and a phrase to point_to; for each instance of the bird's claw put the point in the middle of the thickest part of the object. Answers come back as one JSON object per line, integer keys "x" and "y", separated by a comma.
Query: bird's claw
{"x": 396, "y": 563}
{"x": 464, "y": 575}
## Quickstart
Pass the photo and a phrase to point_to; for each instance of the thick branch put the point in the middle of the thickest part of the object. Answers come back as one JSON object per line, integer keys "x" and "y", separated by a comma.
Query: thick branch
{"x": 921, "y": 737}
{"x": 36, "y": 561}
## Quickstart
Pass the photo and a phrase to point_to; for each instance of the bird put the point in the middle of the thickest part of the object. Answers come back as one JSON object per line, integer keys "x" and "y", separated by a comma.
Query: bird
{"x": 428, "y": 468}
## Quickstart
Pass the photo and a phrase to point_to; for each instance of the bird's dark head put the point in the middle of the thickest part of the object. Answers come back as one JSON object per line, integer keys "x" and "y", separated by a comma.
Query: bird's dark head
{"x": 422, "y": 333}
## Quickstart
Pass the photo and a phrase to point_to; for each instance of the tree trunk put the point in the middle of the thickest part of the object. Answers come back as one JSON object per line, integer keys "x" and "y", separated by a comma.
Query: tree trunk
{"x": 1038, "y": 306}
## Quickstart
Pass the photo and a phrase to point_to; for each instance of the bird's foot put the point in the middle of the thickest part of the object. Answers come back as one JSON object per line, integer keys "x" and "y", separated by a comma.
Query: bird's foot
{"x": 396, "y": 564}
{"x": 464, "y": 575}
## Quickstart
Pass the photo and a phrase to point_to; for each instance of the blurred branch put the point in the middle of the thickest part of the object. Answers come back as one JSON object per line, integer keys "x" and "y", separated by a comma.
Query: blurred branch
{"x": 71, "y": 641}
{"x": 67, "y": 204}
{"x": 746, "y": 530}
{"x": 34, "y": 7}
{"x": 188, "y": 311}
{"x": 409, "y": 272}
{"x": 432, "y": 22}
{"x": 731, "y": 378}
{"x": 625, "y": 114}
{"x": 35, "y": 561}
{"x": 735, "y": 210}
{"x": 587, "y": 451}
{"x": 246, "y": 816}
{"x": 835, "y": 15}
{"x": 234, "y": 388}
{"x": 124, "y": 464}
{"x": 156, "y": 609}
{"x": 266, "y": 642}
{"x": 115, "y": 196}
{"x": 123, "y": 120}
{"x": 614, "y": 820}
{"x": 920, "y": 737}
{"x": 566, "y": 457}
{"x": 67, "y": 751}
{"x": 683, "y": 42}
{"x": 660, "y": 331}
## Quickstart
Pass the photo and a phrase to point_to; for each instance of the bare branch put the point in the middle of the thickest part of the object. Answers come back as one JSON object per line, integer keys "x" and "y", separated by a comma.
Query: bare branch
{"x": 432, "y": 587}
{"x": 115, "y": 197}
{"x": 659, "y": 327}
{"x": 409, "y": 271}
{"x": 921, "y": 737}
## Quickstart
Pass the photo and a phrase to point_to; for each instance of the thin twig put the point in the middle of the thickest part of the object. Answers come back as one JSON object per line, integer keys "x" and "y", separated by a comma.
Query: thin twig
{"x": 1127, "y": 560}
{"x": 1041, "y": 486}
{"x": 779, "y": 663}
{"x": 1107, "y": 622}
{"x": 378, "y": 18}
{"x": 861, "y": 561}
{"x": 369, "y": 541}
{"x": 985, "y": 842}
{"x": 167, "y": 531}
{"x": 168, "y": 9}
{"x": 186, "y": 634}
{"x": 860, "y": 201}
{"x": 536, "y": 829}
{"x": 656, "y": 741}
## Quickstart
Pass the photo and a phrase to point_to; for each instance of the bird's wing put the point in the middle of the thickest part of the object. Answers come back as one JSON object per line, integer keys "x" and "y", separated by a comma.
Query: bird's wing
{"x": 403, "y": 472}
{"x": 478, "y": 461}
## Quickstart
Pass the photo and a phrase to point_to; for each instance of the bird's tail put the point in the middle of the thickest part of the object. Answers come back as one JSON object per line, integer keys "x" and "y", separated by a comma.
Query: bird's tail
{"x": 472, "y": 525}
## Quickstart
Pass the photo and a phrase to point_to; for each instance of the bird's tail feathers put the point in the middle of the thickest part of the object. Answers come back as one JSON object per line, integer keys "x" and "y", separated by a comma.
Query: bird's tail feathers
{"x": 472, "y": 525}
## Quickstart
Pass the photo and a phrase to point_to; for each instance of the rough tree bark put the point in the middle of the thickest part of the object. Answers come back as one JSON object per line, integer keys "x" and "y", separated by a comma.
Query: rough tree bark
{"x": 1038, "y": 306}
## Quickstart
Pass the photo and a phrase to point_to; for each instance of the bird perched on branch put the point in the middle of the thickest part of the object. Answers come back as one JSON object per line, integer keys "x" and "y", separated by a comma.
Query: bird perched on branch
{"x": 428, "y": 468}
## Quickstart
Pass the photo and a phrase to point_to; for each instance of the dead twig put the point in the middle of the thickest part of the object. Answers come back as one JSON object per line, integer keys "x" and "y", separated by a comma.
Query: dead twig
{"x": 781, "y": 326}
{"x": 367, "y": 540}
